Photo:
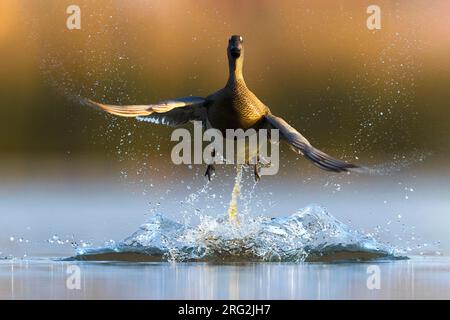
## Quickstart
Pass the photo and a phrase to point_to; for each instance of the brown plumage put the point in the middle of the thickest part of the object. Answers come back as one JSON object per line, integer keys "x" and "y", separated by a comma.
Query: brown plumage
{"x": 232, "y": 107}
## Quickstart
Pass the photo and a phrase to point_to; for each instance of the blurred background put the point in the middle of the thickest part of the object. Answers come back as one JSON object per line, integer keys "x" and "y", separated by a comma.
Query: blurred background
{"x": 373, "y": 97}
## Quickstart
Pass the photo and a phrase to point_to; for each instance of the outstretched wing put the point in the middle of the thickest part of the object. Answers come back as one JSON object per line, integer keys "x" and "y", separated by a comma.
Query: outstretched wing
{"x": 301, "y": 145}
{"x": 170, "y": 112}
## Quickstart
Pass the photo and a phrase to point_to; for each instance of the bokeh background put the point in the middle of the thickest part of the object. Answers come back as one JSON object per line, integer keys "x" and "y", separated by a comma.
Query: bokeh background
{"x": 374, "y": 97}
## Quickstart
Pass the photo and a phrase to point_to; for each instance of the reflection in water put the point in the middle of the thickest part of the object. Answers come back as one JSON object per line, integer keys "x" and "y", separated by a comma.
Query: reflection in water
{"x": 415, "y": 278}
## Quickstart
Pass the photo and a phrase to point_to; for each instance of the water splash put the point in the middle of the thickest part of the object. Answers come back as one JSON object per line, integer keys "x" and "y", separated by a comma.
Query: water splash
{"x": 233, "y": 207}
{"x": 311, "y": 234}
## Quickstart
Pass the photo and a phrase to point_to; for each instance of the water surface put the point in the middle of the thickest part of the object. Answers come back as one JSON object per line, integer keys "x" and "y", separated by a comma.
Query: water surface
{"x": 417, "y": 278}
{"x": 44, "y": 222}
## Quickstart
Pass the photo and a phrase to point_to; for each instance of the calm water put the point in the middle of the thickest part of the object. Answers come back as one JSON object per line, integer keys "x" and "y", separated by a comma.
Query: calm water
{"x": 418, "y": 278}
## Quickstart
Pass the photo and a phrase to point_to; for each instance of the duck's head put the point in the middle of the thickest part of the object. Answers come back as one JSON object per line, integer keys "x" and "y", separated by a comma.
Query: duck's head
{"x": 235, "y": 47}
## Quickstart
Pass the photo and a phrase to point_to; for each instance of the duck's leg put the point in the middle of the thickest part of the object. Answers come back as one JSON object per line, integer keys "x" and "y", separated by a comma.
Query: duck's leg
{"x": 210, "y": 170}
{"x": 256, "y": 172}
{"x": 256, "y": 169}
{"x": 233, "y": 208}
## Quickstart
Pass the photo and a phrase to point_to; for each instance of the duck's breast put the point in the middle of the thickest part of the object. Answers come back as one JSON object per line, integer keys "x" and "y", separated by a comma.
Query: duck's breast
{"x": 235, "y": 111}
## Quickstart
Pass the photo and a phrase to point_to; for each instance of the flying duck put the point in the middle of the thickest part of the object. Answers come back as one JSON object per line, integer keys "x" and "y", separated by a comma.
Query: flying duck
{"x": 232, "y": 107}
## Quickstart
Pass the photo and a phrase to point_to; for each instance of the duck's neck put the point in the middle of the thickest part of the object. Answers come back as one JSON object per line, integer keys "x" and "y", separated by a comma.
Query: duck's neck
{"x": 235, "y": 72}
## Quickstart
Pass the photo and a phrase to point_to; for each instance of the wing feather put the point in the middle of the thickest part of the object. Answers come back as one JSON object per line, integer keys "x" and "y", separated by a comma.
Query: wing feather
{"x": 301, "y": 145}
{"x": 170, "y": 112}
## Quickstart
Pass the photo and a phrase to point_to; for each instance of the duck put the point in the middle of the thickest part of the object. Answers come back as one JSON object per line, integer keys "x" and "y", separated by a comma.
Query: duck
{"x": 234, "y": 106}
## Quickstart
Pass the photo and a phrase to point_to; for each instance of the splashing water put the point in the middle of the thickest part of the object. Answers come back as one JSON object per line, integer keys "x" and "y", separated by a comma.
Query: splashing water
{"x": 233, "y": 207}
{"x": 311, "y": 234}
